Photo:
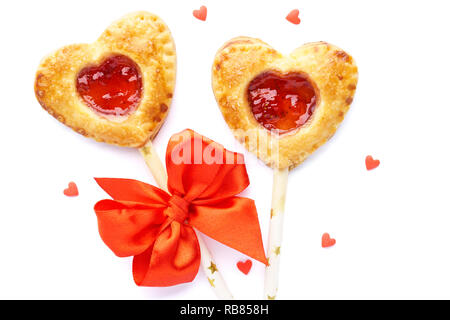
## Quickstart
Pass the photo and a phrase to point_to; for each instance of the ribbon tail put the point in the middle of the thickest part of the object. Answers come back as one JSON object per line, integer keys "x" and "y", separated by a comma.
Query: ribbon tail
{"x": 234, "y": 222}
{"x": 174, "y": 258}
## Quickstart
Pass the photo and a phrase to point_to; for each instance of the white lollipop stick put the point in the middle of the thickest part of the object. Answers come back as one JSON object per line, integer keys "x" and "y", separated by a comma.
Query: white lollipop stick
{"x": 280, "y": 178}
{"x": 215, "y": 279}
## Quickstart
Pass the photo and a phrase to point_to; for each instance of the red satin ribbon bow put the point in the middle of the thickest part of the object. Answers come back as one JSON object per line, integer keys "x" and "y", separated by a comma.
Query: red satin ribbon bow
{"x": 157, "y": 228}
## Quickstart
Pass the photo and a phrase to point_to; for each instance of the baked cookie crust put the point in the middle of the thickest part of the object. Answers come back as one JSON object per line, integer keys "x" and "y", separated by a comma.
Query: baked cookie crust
{"x": 331, "y": 70}
{"x": 141, "y": 36}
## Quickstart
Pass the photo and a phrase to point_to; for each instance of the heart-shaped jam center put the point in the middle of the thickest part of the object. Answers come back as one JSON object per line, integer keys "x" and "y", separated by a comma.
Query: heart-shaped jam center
{"x": 112, "y": 88}
{"x": 281, "y": 102}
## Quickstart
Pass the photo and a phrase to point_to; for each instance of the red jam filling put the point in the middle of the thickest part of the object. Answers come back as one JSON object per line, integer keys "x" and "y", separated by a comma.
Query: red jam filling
{"x": 113, "y": 87}
{"x": 281, "y": 102}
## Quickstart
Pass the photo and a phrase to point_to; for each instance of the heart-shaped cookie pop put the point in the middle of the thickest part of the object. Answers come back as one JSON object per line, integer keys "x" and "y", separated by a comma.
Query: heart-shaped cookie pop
{"x": 282, "y": 108}
{"x": 116, "y": 90}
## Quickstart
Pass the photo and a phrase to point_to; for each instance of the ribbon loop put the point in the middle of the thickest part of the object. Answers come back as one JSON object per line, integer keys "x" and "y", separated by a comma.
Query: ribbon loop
{"x": 178, "y": 208}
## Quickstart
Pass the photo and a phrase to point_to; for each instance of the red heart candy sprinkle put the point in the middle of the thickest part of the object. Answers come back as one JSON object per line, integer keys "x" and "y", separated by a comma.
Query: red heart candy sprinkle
{"x": 292, "y": 17}
{"x": 72, "y": 190}
{"x": 371, "y": 163}
{"x": 201, "y": 13}
{"x": 327, "y": 241}
{"x": 244, "y": 267}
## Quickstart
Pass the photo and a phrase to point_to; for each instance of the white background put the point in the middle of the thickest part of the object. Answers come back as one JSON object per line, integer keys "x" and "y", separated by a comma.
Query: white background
{"x": 391, "y": 224}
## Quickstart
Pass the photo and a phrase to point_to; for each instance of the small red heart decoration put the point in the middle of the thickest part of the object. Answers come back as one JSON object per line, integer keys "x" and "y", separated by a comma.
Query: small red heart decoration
{"x": 371, "y": 163}
{"x": 72, "y": 190}
{"x": 201, "y": 13}
{"x": 292, "y": 17}
{"x": 327, "y": 241}
{"x": 244, "y": 267}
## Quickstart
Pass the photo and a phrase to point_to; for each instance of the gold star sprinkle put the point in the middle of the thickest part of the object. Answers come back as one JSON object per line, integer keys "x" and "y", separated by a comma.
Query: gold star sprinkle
{"x": 272, "y": 213}
{"x": 213, "y": 268}
{"x": 270, "y": 297}
{"x": 146, "y": 150}
{"x": 277, "y": 250}
{"x": 211, "y": 282}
